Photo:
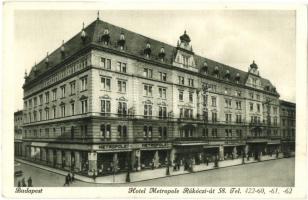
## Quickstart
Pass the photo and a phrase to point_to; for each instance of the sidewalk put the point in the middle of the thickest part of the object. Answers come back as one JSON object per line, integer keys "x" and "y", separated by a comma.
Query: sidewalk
{"x": 150, "y": 174}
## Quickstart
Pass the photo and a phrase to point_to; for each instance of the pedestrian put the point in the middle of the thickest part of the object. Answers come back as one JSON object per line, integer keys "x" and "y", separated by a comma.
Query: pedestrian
{"x": 67, "y": 181}
{"x": 277, "y": 154}
{"x": 94, "y": 175}
{"x": 30, "y": 182}
{"x": 73, "y": 176}
{"x": 207, "y": 161}
{"x": 19, "y": 184}
{"x": 69, "y": 177}
{"x": 23, "y": 182}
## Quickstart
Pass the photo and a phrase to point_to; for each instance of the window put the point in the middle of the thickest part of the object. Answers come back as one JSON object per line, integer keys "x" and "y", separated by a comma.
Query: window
{"x": 214, "y": 117}
{"x": 162, "y": 92}
{"x": 84, "y": 106}
{"x": 205, "y": 115}
{"x": 188, "y": 113}
{"x": 47, "y": 132}
{"x": 214, "y": 101}
{"x": 47, "y": 114}
{"x": 105, "y": 63}
{"x": 105, "y": 106}
{"x": 122, "y": 131}
{"x": 84, "y": 83}
{"x": 251, "y": 106}
{"x": 54, "y": 94}
{"x": 228, "y": 103}
{"x": 258, "y": 97}
{"x": 181, "y": 95}
{"x": 191, "y": 99}
{"x": 181, "y": 80}
{"x": 41, "y": 99}
{"x": 163, "y": 76}
{"x": 238, "y": 105}
{"x": 148, "y": 90}
{"x": 228, "y": 132}
{"x": 73, "y": 87}
{"x": 162, "y": 111}
{"x": 106, "y": 83}
{"x": 63, "y": 110}
{"x": 54, "y": 109}
{"x": 251, "y": 95}
{"x": 72, "y": 108}
{"x": 63, "y": 91}
{"x": 191, "y": 82}
{"x": 47, "y": 97}
{"x": 258, "y": 107}
{"x": 30, "y": 103}
{"x": 214, "y": 132}
{"x": 239, "y": 133}
{"x": 228, "y": 118}
{"x": 147, "y": 132}
{"x": 122, "y": 67}
{"x": 205, "y": 132}
{"x": 238, "y": 118}
{"x": 35, "y": 101}
{"x": 62, "y": 130}
{"x": 275, "y": 110}
{"x": 147, "y": 73}
{"x": 121, "y": 86}
{"x": 275, "y": 121}
{"x": 106, "y": 131}
{"x": 72, "y": 132}
{"x": 238, "y": 93}
{"x": 147, "y": 110}
{"x": 40, "y": 115}
{"x": 162, "y": 132}
{"x": 122, "y": 108}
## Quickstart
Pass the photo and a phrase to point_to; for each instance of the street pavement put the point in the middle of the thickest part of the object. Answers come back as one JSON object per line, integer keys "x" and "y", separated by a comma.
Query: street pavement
{"x": 272, "y": 173}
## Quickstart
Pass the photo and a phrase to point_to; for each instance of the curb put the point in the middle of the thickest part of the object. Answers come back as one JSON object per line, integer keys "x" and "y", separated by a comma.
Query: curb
{"x": 92, "y": 182}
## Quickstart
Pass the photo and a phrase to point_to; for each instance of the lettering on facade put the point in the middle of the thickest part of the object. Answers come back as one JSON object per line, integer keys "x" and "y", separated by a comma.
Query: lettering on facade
{"x": 155, "y": 145}
{"x": 113, "y": 146}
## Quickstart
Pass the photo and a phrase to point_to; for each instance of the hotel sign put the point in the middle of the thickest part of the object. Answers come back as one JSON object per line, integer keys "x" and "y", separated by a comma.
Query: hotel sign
{"x": 112, "y": 146}
{"x": 155, "y": 145}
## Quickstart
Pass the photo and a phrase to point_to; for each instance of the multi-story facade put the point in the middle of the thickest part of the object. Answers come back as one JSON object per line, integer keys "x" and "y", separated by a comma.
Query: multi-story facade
{"x": 111, "y": 97}
{"x": 18, "y": 123}
{"x": 288, "y": 122}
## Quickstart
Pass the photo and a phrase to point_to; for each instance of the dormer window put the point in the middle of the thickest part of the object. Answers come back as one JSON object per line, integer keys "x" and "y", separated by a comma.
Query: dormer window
{"x": 162, "y": 54}
{"x": 147, "y": 50}
{"x": 105, "y": 37}
{"x": 121, "y": 41}
{"x": 62, "y": 50}
{"x": 83, "y": 34}
{"x": 216, "y": 71}
{"x": 237, "y": 78}
{"x": 227, "y": 76}
{"x": 204, "y": 67}
{"x": 47, "y": 60}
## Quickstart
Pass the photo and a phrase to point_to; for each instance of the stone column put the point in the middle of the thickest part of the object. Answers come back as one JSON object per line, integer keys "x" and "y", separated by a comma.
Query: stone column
{"x": 32, "y": 154}
{"x": 172, "y": 156}
{"x": 43, "y": 152}
{"x": 77, "y": 161}
{"x": 59, "y": 159}
{"x": 92, "y": 157}
{"x": 221, "y": 152}
{"x": 68, "y": 160}
{"x": 50, "y": 156}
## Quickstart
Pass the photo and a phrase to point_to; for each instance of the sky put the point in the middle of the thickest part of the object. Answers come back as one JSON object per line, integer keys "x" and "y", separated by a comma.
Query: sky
{"x": 233, "y": 37}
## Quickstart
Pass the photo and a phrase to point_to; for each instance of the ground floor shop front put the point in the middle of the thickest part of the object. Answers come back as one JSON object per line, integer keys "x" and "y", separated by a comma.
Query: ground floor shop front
{"x": 106, "y": 159}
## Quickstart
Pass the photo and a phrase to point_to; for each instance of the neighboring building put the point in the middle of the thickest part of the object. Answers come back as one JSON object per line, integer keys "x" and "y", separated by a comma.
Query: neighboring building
{"x": 288, "y": 122}
{"x": 18, "y": 123}
{"x": 111, "y": 97}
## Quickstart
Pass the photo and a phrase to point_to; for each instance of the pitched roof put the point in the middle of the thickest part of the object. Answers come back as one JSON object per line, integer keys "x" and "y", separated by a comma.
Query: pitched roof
{"x": 135, "y": 45}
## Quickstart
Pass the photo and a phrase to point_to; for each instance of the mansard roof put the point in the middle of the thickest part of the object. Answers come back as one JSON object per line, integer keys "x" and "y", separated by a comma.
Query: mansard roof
{"x": 134, "y": 45}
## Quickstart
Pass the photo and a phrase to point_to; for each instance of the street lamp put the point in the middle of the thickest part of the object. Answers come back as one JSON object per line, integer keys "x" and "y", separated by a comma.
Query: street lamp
{"x": 128, "y": 167}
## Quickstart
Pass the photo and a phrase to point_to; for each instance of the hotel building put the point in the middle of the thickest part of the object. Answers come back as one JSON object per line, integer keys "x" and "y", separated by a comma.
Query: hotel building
{"x": 110, "y": 98}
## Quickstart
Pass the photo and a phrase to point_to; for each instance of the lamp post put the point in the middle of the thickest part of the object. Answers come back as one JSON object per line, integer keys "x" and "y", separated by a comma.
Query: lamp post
{"x": 128, "y": 167}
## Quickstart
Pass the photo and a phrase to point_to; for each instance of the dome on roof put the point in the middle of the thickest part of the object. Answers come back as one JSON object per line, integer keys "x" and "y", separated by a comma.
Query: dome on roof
{"x": 185, "y": 37}
{"x": 254, "y": 65}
